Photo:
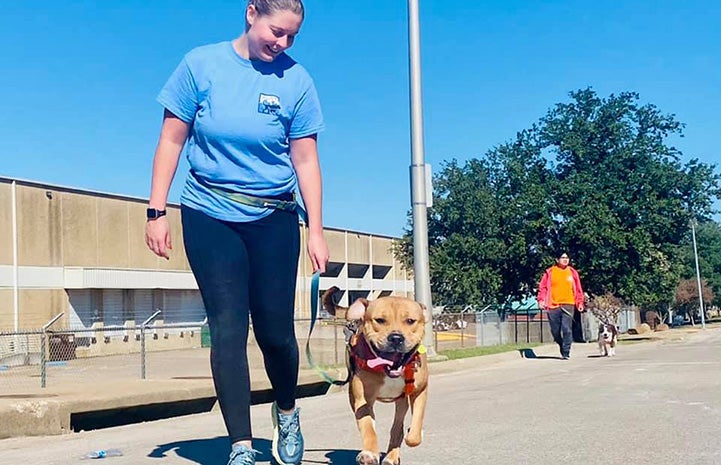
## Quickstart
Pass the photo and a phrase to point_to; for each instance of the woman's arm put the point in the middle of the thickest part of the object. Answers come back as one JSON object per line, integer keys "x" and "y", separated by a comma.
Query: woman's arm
{"x": 173, "y": 134}
{"x": 542, "y": 297}
{"x": 304, "y": 155}
{"x": 579, "y": 296}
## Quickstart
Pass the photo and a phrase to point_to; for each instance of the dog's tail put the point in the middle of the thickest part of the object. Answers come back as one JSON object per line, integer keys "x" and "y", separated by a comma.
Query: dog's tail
{"x": 330, "y": 300}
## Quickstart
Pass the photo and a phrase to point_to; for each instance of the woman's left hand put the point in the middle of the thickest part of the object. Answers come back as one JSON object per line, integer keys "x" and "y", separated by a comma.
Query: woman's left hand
{"x": 318, "y": 251}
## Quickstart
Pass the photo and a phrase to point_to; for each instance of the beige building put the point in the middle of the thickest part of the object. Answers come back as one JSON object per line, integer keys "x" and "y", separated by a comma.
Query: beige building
{"x": 82, "y": 253}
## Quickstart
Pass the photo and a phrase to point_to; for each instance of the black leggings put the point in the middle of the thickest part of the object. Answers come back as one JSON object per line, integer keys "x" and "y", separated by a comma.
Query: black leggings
{"x": 242, "y": 269}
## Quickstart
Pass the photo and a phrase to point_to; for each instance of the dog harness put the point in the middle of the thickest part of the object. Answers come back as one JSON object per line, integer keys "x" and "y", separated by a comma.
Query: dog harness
{"x": 360, "y": 354}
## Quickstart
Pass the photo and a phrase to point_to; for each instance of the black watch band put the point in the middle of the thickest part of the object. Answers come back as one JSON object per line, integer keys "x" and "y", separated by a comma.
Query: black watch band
{"x": 154, "y": 213}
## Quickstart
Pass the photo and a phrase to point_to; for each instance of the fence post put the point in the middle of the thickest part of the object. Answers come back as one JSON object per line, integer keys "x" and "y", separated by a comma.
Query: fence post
{"x": 43, "y": 349}
{"x": 142, "y": 341}
{"x": 335, "y": 340}
{"x": 500, "y": 326}
{"x": 483, "y": 329}
{"x": 528, "y": 326}
{"x": 27, "y": 350}
{"x": 540, "y": 313}
{"x": 43, "y": 370}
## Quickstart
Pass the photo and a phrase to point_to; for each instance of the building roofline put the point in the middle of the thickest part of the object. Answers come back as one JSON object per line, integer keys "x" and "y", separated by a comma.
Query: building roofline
{"x": 78, "y": 190}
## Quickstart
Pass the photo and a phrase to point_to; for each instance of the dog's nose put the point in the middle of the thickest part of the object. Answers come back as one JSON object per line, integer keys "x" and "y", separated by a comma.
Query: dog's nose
{"x": 396, "y": 339}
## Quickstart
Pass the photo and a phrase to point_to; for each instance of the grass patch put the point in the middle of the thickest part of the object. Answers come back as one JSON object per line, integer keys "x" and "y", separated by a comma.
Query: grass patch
{"x": 466, "y": 352}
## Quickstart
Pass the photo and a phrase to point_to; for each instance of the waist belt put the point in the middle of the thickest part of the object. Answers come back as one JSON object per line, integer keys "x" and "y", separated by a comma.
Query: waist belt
{"x": 255, "y": 201}
{"x": 261, "y": 202}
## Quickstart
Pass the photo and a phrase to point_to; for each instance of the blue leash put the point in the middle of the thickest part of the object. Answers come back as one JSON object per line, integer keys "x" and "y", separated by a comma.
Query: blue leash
{"x": 314, "y": 297}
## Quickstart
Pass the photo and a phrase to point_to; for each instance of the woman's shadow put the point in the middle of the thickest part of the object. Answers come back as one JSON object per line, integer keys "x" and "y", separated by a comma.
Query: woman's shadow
{"x": 529, "y": 353}
{"x": 215, "y": 450}
{"x": 208, "y": 451}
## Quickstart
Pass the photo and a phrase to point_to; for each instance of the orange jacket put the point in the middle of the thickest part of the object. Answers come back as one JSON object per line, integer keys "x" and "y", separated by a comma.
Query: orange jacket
{"x": 544, "y": 289}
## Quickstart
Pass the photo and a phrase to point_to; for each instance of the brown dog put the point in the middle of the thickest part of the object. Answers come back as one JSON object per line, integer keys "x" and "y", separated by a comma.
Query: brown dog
{"x": 388, "y": 364}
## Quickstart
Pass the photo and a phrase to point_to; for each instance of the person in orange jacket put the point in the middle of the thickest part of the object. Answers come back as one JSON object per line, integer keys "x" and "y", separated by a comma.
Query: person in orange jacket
{"x": 560, "y": 294}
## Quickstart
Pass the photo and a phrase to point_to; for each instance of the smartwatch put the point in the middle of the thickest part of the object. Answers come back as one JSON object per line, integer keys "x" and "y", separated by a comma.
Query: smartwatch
{"x": 154, "y": 213}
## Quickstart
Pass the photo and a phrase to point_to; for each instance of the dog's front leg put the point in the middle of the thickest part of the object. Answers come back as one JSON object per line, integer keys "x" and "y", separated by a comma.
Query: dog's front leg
{"x": 393, "y": 457}
{"x": 362, "y": 405}
{"x": 418, "y": 409}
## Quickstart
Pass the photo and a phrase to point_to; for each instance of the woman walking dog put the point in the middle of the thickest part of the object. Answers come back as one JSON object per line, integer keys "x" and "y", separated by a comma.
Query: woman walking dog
{"x": 250, "y": 116}
{"x": 560, "y": 293}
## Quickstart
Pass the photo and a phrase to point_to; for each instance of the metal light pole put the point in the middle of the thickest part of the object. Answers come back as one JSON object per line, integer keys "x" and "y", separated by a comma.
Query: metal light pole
{"x": 421, "y": 274}
{"x": 698, "y": 274}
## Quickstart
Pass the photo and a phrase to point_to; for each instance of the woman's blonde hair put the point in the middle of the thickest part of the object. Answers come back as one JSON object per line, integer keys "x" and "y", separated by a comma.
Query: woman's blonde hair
{"x": 267, "y": 7}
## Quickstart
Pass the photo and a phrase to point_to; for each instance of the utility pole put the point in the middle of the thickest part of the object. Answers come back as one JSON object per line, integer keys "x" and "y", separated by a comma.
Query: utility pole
{"x": 698, "y": 275}
{"x": 421, "y": 268}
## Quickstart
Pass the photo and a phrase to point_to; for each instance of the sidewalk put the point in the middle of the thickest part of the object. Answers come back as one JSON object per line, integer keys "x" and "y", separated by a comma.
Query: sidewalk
{"x": 60, "y": 409}
{"x": 108, "y": 390}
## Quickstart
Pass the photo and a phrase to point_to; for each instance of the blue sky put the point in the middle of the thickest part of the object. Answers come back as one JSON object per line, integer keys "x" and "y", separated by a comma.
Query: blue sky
{"x": 80, "y": 80}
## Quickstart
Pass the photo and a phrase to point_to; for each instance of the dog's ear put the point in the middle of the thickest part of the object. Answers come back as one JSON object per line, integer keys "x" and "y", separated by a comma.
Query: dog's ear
{"x": 425, "y": 312}
{"x": 357, "y": 309}
{"x": 330, "y": 299}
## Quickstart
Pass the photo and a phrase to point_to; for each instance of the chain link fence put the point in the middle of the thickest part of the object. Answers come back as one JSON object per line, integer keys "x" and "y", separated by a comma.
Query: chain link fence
{"x": 491, "y": 325}
{"x": 58, "y": 355}
{"x": 488, "y": 326}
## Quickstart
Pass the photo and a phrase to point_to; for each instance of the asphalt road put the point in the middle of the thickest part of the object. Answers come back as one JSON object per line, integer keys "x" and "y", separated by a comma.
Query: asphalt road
{"x": 654, "y": 403}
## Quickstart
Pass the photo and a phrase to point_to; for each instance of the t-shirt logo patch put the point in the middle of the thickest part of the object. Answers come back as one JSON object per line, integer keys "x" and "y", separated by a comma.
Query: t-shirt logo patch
{"x": 268, "y": 104}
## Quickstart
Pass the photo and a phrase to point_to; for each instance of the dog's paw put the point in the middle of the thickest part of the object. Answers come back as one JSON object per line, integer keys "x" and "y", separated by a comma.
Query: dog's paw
{"x": 387, "y": 461}
{"x": 414, "y": 439}
{"x": 366, "y": 457}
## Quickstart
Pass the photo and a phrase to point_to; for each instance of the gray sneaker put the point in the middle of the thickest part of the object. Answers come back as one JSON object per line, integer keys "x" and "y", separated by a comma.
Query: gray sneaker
{"x": 287, "y": 439}
{"x": 242, "y": 455}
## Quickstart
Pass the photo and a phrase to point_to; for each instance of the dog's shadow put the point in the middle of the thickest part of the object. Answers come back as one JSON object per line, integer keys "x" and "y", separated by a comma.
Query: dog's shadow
{"x": 335, "y": 457}
{"x": 215, "y": 450}
{"x": 530, "y": 354}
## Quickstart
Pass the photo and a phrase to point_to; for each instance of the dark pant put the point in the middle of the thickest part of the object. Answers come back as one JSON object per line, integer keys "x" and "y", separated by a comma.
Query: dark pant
{"x": 578, "y": 335}
{"x": 561, "y": 322}
{"x": 247, "y": 269}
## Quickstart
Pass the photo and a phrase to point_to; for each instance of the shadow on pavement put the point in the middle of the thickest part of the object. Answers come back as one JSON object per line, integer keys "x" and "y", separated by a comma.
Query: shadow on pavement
{"x": 529, "y": 353}
{"x": 208, "y": 451}
{"x": 335, "y": 457}
{"x": 215, "y": 450}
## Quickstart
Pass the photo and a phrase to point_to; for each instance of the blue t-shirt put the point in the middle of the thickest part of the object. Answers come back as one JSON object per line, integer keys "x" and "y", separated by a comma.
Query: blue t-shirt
{"x": 243, "y": 114}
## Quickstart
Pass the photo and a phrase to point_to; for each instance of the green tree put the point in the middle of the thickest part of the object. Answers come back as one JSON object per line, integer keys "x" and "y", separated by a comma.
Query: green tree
{"x": 624, "y": 198}
{"x": 596, "y": 176}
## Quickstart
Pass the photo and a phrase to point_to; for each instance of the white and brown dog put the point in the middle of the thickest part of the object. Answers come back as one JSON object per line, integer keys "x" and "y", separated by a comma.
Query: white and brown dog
{"x": 607, "y": 339}
{"x": 387, "y": 363}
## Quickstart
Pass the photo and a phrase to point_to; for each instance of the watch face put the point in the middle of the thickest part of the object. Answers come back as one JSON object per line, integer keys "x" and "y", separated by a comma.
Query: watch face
{"x": 153, "y": 213}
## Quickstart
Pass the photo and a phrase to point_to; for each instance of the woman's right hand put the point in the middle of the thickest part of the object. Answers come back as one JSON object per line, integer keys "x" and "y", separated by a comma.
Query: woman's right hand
{"x": 157, "y": 236}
